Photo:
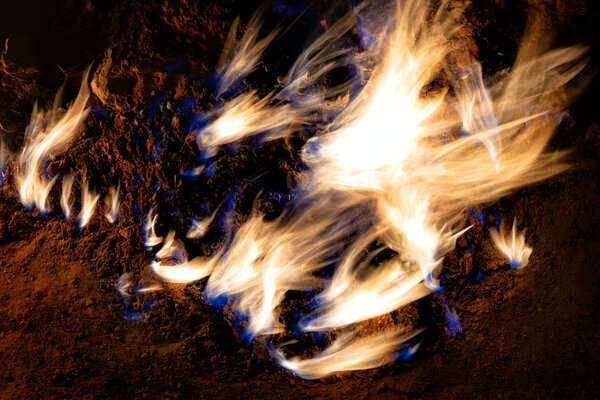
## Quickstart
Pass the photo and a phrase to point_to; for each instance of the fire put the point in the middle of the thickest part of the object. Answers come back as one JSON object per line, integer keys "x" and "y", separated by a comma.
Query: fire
{"x": 347, "y": 354}
{"x": 398, "y": 167}
{"x": 512, "y": 246}
{"x": 89, "y": 198}
{"x": 4, "y": 157}
{"x": 65, "y": 204}
{"x": 45, "y": 139}
{"x": 239, "y": 58}
{"x": 392, "y": 174}
{"x": 278, "y": 113}
{"x": 151, "y": 239}
{"x": 200, "y": 227}
{"x": 113, "y": 204}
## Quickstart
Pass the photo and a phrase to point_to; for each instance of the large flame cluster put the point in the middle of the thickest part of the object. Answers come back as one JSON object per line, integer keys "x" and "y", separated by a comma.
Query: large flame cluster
{"x": 392, "y": 172}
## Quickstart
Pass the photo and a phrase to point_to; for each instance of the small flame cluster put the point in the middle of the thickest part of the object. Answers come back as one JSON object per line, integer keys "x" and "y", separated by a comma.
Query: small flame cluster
{"x": 46, "y": 137}
{"x": 394, "y": 171}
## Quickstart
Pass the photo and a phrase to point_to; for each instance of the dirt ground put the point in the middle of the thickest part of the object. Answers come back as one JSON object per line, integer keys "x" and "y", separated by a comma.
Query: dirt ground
{"x": 65, "y": 332}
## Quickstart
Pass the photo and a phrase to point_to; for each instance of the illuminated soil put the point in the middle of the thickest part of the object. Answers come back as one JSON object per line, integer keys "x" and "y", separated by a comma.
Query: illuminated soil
{"x": 66, "y": 333}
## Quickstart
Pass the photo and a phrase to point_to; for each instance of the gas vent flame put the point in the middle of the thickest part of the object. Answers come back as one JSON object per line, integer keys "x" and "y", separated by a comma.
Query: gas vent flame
{"x": 151, "y": 239}
{"x": 89, "y": 198}
{"x": 394, "y": 173}
{"x": 345, "y": 354}
{"x": 46, "y": 137}
{"x": 390, "y": 169}
{"x": 112, "y": 201}
{"x": 4, "y": 157}
{"x": 241, "y": 57}
{"x": 65, "y": 204}
{"x": 278, "y": 113}
{"x": 200, "y": 226}
{"x": 512, "y": 246}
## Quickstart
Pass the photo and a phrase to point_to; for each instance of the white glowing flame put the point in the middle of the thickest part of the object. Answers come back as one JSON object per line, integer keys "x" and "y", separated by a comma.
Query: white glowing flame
{"x": 183, "y": 273}
{"x": 172, "y": 264}
{"x": 172, "y": 249}
{"x": 151, "y": 239}
{"x": 4, "y": 154}
{"x": 239, "y": 58}
{"x": 512, "y": 246}
{"x": 4, "y": 157}
{"x": 65, "y": 204}
{"x": 200, "y": 227}
{"x": 275, "y": 115}
{"x": 45, "y": 139}
{"x": 113, "y": 204}
{"x": 396, "y": 168}
{"x": 125, "y": 282}
{"x": 89, "y": 198}
{"x": 148, "y": 289}
{"x": 346, "y": 353}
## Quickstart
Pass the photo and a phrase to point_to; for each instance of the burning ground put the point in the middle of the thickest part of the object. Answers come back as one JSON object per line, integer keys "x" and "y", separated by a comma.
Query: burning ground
{"x": 79, "y": 312}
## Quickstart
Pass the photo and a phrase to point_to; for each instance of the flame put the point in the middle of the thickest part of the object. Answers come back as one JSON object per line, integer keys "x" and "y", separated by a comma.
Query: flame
{"x": 4, "y": 157}
{"x": 113, "y": 204}
{"x": 151, "y": 239}
{"x": 125, "y": 282}
{"x": 65, "y": 204}
{"x": 89, "y": 198}
{"x": 346, "y": 353}
{"x": 45, "y": 139}
{"x": 239, "y": 58}
{"x": 512, "y": 246}
{"x": 200, "y": 227}
{"x": 391, "y": 172}
{"x": 172, "y": 249}
{"x": 276, "y": 114}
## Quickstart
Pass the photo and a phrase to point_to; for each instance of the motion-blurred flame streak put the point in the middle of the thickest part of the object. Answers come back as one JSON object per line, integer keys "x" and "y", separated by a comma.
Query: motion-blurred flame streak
{"x": 346, "y": 353}
{"x": 45, "y": 139}
{"x": 151, "y": 239}
{"x": 390, "y": 170}
{"x": 89, "y": 198}
{"x": 241, "y": 57}
{"x": 200, "y": 227}
{"x": 276, "y": 114}
{"x": 112, "y": 201}
{"x": 65, "y": 204}
{"x": 4, "y": 157}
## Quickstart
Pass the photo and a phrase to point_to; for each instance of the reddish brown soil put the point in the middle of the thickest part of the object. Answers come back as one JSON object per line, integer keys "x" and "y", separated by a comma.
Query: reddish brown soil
{"x": 530, "y": 333}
